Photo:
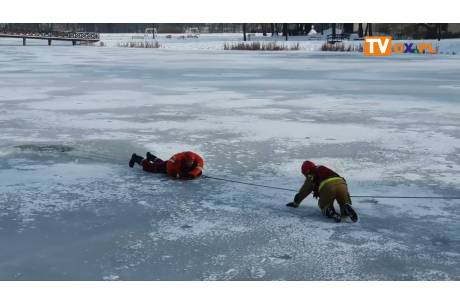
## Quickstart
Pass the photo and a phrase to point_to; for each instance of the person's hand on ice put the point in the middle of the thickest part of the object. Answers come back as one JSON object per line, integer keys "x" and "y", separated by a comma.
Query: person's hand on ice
{"x": 184, "y": 176}
{"x": 292, "y": 205}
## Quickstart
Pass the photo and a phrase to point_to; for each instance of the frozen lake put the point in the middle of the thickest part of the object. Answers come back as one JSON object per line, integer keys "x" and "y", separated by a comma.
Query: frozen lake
{"x": 72, "y": 209}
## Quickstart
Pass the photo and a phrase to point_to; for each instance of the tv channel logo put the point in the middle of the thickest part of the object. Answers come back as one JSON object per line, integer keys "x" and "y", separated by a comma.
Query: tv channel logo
{"x": 384, "y": 46}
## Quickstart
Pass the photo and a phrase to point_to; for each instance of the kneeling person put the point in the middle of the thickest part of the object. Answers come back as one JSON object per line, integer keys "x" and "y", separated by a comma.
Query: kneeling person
{"x": 183, "y": 165}
{"x": 328, "y": 186}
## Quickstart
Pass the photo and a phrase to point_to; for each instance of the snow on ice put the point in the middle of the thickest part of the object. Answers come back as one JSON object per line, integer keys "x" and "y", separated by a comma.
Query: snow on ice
{"x": 71, "y": 208}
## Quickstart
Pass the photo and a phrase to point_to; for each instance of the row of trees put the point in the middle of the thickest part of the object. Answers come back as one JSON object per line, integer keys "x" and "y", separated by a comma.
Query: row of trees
{"x": 77, "y": 27}
{"x": 291, "y": 29}
{"x": 401, "y": 30}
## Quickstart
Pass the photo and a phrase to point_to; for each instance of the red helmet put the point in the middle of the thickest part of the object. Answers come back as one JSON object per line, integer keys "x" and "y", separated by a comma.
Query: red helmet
{"x": 307, "y": 166}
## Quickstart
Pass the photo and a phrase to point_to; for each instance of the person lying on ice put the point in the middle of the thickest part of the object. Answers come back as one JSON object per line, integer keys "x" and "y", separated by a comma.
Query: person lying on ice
{"x": 183, "y": 165}
{"x": 328, "y": 186}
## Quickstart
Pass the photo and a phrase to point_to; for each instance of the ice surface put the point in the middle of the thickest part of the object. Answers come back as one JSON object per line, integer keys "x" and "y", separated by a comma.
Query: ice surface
{"x": 390, "y": 126}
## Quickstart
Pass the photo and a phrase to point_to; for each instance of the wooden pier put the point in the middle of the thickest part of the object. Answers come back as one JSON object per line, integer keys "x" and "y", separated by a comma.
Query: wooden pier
{"x": 73, "y": 37}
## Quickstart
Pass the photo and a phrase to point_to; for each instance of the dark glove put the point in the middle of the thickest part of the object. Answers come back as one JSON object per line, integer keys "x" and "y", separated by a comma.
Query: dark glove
{"x": 292, "y": 205}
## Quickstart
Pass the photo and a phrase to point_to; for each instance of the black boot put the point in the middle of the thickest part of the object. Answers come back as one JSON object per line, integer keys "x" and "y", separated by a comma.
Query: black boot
{"x": 135, "y": 159}
{"x": 350, "y": 212}
{"x": 343, "y": 211}
{"x": 331, "y": 213}
{"x": 150, "y": 157}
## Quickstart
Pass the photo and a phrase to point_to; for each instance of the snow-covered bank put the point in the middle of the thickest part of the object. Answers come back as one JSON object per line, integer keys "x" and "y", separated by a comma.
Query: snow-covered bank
{"x": 390, "y": 126}
{"x": 217, "y": 42}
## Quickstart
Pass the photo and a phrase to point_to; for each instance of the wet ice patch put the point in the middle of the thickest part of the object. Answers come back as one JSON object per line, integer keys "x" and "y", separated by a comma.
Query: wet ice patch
{"x": 45, "y": 148}
{"x": 283, "y": 257}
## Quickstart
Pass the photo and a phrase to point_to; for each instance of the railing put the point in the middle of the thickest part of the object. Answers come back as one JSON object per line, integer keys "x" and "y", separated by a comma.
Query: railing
{"x": 53, "y": 34}
{"x": 333, "y": 38}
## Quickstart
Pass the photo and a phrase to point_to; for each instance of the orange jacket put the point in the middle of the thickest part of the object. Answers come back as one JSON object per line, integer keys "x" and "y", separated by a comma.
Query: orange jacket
{"x": 174, "y": 165}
